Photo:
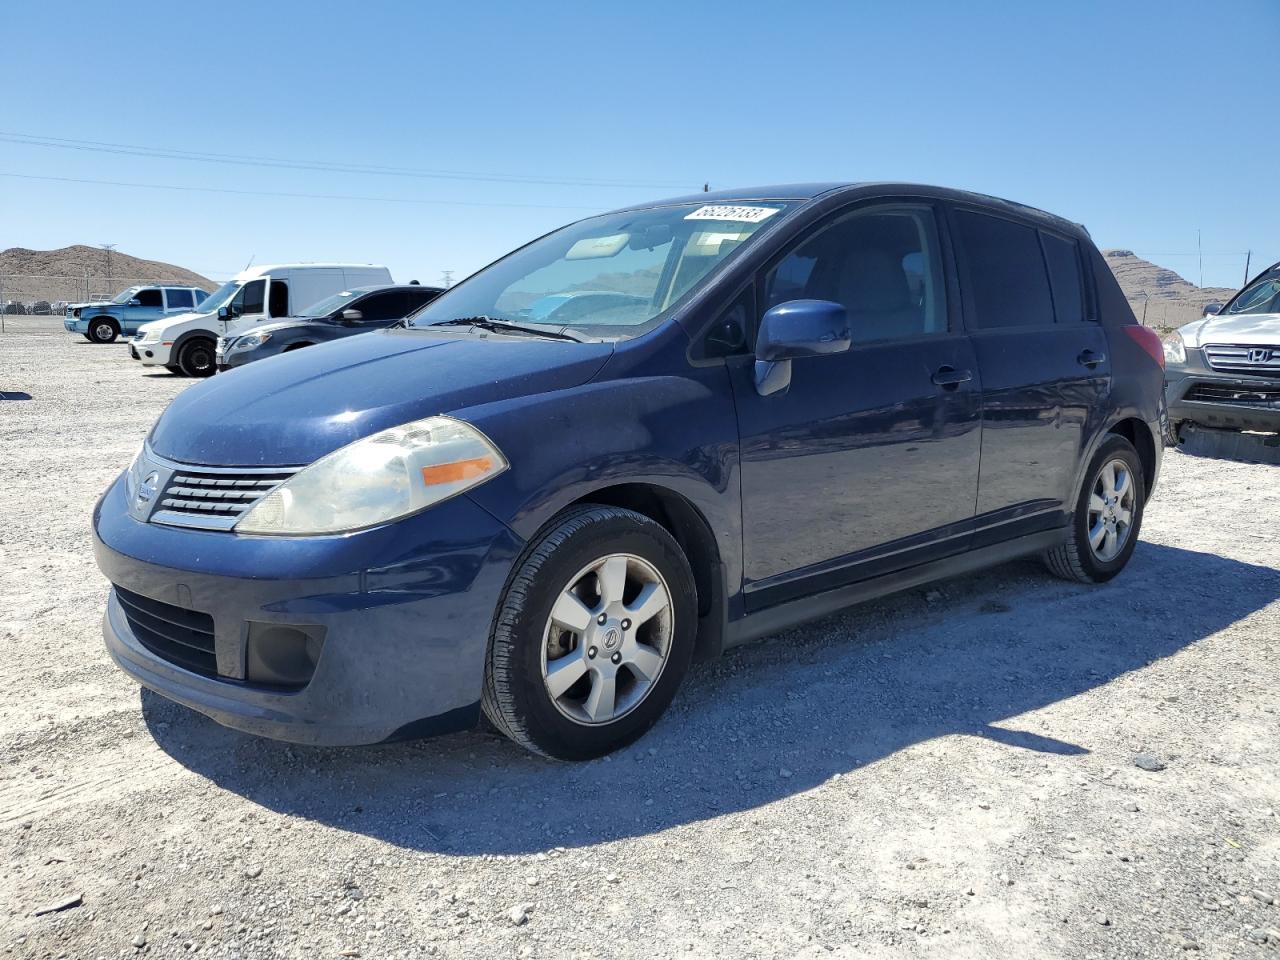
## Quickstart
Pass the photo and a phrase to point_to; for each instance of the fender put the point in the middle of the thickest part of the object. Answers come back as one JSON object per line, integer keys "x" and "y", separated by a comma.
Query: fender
{"x": 674, "y": 433}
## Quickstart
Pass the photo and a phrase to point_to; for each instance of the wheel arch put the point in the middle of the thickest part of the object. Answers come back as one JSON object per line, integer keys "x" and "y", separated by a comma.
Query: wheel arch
{"x": 690, "y": 528}
{"x": 1138, "y": 433}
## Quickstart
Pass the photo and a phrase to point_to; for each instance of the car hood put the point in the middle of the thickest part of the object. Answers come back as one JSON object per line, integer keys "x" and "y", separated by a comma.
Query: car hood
{"x": 93, "y": 303}
{"x": 159, "y": 326}
{"x": 1243, "y": 328}
{"x": 303, "y": 404}
{"x": 287, "y": 323}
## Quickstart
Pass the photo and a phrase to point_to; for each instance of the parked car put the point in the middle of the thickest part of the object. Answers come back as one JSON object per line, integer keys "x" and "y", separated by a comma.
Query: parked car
{"x": 104, "y": 320}
{"x": 1223, "y": 370}
{"x": 188, "y": 343}
{"x": 13, "y": 308}
{"x": 836, "y": 391}
{"x": 41, "y": 308}
{"x": 344, "y": 314}
{"x": 571, "y": 306}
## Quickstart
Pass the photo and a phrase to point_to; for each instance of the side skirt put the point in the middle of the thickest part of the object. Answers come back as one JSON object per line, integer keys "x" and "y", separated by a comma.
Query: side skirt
{"x": 786, "y": 615}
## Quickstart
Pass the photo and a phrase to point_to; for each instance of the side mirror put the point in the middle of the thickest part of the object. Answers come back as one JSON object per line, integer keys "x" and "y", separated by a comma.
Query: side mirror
{"x": 1212, "y": 308}
{"x": 224, "y": 313}
{"x": 135, "y": 302}
{"x": 793, "y": 330}
{"x": 352, "y": 316}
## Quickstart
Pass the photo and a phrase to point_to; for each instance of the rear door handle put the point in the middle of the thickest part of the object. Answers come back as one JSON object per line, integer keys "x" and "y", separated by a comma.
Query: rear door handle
{"x": 1089, "y": 358}
{"x": 949, "y": 377}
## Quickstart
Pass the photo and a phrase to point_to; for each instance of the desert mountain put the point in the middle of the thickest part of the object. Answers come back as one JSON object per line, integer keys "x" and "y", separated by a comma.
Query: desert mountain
{"x": 1167, "y": 299}
{"x": 29, "y": 275}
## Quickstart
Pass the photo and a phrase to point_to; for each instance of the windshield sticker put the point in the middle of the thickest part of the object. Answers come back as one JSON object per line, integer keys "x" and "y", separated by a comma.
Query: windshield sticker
{"x": 738, "y": 214}
{"x": 590, "y": 248}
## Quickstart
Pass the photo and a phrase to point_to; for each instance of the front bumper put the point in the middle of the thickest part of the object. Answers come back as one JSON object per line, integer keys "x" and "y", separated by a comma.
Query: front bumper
{"x": 152, "y": 354}
{"x": 404, "y": 611}
{"x": 1232, "y": 401}
{"x": 75, "y": 325}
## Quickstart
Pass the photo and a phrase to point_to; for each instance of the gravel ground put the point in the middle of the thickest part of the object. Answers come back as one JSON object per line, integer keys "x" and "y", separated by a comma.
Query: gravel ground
{"x": 956, "y": 772}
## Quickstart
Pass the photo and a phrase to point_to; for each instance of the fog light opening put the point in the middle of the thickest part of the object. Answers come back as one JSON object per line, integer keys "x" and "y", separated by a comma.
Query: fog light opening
{"x": 279, "y": 655}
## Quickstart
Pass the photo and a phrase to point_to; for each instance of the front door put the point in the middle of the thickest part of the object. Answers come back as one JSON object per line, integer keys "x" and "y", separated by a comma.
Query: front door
{"x": 247, "y": 307}
{"x": 868, "y": 462}
{"x": 1044, "y": 368}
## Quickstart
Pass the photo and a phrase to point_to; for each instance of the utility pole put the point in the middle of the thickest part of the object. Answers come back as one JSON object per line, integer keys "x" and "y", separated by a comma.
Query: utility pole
{"x": 1248, "y": 256}
{"x": 447, "y": 277}
{"x": 108, "y": 247}
{"x": 1200, "y": 254}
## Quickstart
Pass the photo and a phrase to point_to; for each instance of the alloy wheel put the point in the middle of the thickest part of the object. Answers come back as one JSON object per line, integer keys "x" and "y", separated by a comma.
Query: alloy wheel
{"x": 607, "y": 639}
{"x": 1111, "y": 506}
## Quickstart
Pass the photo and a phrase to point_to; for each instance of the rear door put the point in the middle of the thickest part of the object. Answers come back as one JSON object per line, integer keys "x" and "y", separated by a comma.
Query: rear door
{"x": 868, "y": 462}
{"x": 1044, "y": 365}
{"x": 178, "y": 300}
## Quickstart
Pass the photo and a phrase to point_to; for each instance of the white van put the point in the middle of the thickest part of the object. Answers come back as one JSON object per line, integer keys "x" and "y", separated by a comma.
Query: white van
{"x": 187, "y": 343}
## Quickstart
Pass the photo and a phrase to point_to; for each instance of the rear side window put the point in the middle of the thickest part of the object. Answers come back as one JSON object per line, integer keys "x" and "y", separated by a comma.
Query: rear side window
{"x": 1063, "y": 258}
{"x": 178, "y": 298}
{"x": 148, "y": 298}
{"x": 419, "y": 297}
{"x": 1004, "y": 273}
{"x": 279, "y": 298}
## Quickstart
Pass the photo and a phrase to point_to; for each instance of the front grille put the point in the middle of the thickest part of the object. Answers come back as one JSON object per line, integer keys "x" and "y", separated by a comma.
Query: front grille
{"x": 1243, "y": 358}
{"x": 214, "y": 498}
{"x": 183, "y": 637}
{"x": 1263, "y": 396}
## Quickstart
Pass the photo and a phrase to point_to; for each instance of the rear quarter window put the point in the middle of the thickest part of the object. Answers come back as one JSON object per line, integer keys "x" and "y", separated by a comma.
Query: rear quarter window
{"x": 1065, "y": 277}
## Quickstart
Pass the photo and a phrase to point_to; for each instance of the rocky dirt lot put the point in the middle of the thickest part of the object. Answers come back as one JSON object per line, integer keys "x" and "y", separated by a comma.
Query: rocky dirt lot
{"x": 1004, "y": 765}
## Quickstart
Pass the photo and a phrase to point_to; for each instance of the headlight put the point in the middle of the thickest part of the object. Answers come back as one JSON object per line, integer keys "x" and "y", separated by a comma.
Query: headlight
{"x": 247, "y": 342}
{"x": 380, "y": 478}
{"x": 1175, "y": 350}
{"x": 131, "y": 478}
{"x": 149, "y": 336}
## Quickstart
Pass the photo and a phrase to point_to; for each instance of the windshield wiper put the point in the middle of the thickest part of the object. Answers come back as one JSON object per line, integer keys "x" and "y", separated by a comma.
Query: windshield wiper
{"x": 505, "y": 326}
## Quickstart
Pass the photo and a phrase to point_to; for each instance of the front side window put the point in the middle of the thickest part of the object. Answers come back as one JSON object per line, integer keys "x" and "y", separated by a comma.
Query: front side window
{"x": 1261, "y": 296}
{"x": 613, "y": 276}
{"x": 381, "y": 307}
{"x": 1004, "y": 272}
{"x": 125, "y": 295}
{"x": 250, "y": 298}
{"x": 149, "y": 297}
{"x": 882, "y": 265}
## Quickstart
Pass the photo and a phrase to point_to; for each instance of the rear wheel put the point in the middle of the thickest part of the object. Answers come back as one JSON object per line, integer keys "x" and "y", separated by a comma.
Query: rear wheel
{"x": 1107, "y": 517}
{"x": 197, "y": 358}
{"x": 102, "y": 330}
{"x": 593, "y": 637}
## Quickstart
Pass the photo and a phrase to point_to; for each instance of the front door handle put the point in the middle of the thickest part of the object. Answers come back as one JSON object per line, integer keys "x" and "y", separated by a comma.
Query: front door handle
{"x": 949, "y": 377}
{"x": 1088, "y": 358}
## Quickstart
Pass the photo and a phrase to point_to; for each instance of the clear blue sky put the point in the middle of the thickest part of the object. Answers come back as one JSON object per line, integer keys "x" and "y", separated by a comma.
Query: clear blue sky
{"x": 1143, "y": 120}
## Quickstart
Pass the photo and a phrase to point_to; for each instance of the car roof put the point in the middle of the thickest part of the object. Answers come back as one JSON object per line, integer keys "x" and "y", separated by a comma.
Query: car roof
{"x": 371, "y": 288}
{"x": 809, "y": 192}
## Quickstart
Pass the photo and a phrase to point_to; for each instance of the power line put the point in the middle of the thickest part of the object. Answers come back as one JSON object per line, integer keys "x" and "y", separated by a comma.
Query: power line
{"x": 296, "y": 196}
{"x": 167, "y": 153}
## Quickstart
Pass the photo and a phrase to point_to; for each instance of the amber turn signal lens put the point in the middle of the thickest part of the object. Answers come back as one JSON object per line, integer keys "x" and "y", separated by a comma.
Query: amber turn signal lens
{"x": 457, "y": 471}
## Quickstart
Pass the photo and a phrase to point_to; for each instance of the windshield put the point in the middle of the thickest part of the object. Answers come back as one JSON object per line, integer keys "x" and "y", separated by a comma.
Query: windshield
{"x": 219, "y": 298}
{"x": 328, "y": 305}
{"x": 124, "y": 296}
{"x": 612, "y": 276}
{"x": 1261, "y": 296}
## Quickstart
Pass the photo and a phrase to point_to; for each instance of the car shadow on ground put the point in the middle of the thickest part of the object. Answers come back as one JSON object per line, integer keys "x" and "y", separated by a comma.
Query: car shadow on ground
{"x": 765, "y": 721}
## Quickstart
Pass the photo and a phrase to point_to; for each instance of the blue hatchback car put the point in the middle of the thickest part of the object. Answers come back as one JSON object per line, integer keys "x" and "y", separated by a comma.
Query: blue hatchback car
{"x": 808, "y": 396}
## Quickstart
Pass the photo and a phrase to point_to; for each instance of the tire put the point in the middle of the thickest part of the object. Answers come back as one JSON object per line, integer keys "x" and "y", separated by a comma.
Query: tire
{"x": 517, "y": 698}
{"x": 103, "y": 330}
{"x": 173, "y": 368}
{"x": 1086, "y": 561}
{"x": 197, "y": 358}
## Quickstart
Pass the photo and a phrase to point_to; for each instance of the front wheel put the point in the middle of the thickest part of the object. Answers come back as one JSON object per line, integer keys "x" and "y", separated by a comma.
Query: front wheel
{"x": 197, "y": 358}
{"x": 1107, "y": 517}
{"x": 102, "y": 330}
{"x": 593, "y": 636}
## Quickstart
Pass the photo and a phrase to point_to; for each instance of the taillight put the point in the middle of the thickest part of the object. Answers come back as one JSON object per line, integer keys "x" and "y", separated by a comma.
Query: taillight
{"x": 1147, "y": 339}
